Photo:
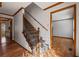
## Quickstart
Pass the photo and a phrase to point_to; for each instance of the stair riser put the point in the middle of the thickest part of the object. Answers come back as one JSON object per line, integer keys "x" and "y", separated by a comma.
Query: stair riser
{"x": 33, "y": 32}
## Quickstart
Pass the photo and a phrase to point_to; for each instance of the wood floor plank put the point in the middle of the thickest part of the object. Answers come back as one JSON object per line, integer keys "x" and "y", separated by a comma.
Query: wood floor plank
{"x": 13, "y": 49}
{"x": 61, "y": 48}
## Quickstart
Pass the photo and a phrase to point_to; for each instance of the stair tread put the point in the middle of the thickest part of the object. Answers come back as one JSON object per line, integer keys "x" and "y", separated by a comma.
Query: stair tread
{"x": 32, "y": 31}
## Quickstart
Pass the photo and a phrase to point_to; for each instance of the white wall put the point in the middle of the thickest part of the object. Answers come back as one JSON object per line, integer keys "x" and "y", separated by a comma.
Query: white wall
{"x": 18, "y": 28}
{"x": 77, "y": 29}
{"x": 68, "y": 13}
{"x": 42, "y": 17}
{"x": 65, "y": 27}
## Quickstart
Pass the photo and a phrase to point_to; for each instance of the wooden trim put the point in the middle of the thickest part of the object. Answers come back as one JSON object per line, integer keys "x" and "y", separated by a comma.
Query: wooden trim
{"x": 11, "y": 33}
{"x": 18, "y": 11}
{"x": 14, "y": 13}
{"x": 51, "y": 43}
{"x": 63, "y": 37}
{"x": 51, "y": 38}
{"x": 9, "y": 20}
{"x": 6, "y": 14}
{"x": 5, "y": 18}
{"x": 53, "y": 5}
{"x": 75, "y": 30}
{"x": 62, "y": 9}
{"x": 0, "y": 4}
{"x": 0, "y": 31}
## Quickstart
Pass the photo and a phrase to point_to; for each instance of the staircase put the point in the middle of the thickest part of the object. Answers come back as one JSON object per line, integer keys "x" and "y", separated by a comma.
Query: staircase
{"x": 31, "y": 34}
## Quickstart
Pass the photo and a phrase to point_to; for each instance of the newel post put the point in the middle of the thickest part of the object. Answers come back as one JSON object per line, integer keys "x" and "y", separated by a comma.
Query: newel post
{"x": 38, "y": 34}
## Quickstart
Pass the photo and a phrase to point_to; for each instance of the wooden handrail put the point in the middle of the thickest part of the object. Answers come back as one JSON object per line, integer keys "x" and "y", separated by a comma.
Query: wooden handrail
{"x": 36, "y": 20}
{"x": 38, "y": 34}
{"x": 18, "y": 11}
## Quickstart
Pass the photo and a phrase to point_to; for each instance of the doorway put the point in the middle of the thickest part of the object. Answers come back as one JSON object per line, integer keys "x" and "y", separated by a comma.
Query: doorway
{"x": 5, "y": 30}
{"x": 63, "y": 30}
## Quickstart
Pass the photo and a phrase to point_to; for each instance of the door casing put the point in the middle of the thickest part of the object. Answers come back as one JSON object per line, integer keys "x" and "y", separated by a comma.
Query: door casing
{"x": 8, "y": 20}
{"x": 51, "y": 38}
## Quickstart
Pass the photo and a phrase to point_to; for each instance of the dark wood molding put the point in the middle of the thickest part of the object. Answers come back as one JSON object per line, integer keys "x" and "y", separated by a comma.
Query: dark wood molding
{"x": 5, "y": 18}
{"x": 63, "y": 37}
{"x": 11, "y": 29}
{"x": 51, "y": 38}
{"x": 0, "y": 4}
{"x": 18, "y": 11}
{"x": 0, "y": 31}
{"x": 14, "y": 13}
{"x": 75, "y": 29}
{"x": 8, "y": 20}
{"x": 62, "y": 9}
{"x": 51, "y": 43}
{"x": 53, "y": 5}
{"x": 6, "y": 14}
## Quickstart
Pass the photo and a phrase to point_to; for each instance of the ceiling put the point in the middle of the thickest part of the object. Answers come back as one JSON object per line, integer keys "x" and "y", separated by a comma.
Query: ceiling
{"x": 44, "y": 5}
{"x": 12, "y": 7}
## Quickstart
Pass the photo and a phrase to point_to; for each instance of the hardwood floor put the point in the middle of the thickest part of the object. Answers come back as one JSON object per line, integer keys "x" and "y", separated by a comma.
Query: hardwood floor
{"x": 62, "y": 47}
{"x": 12, "y": 49}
